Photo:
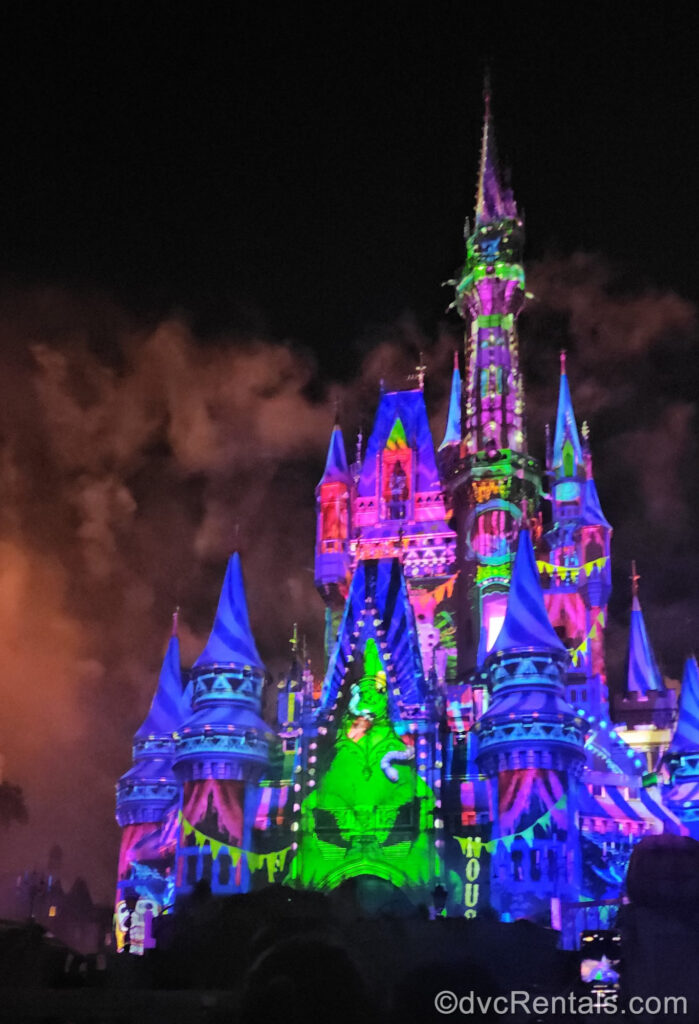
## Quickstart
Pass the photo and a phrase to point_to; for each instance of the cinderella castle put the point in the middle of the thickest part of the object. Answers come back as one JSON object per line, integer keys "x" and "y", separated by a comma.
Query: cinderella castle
{"x": 461, "y": 741}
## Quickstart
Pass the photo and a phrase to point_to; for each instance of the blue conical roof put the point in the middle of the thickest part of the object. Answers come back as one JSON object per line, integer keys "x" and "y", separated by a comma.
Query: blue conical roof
{"x": 165, "y": 711}
{"x": 592, "y": 514}
{"x": 336, "y": 468}
{"x": 566, "y": 427}
{"x": 686, "y": 736}
{"x": 644, "y": 674}
{"x": 231, "y": 641}
{"x": 452, "y": 435}
{"x": 527, "y": 625}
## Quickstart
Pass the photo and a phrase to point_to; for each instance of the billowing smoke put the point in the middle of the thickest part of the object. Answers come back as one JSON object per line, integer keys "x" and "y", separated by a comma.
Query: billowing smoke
{"x": 134, "y": 459}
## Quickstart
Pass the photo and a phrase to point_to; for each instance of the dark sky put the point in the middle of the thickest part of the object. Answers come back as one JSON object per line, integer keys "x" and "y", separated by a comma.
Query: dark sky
{"x": 287, "y": 167}
{"x": 217, "y": 222}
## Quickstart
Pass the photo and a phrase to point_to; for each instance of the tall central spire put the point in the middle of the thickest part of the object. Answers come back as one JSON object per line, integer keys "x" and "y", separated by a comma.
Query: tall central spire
{"x": 493, "y": 203}
{"x": 495, "y": 483}
{"x": 489, "y": 295}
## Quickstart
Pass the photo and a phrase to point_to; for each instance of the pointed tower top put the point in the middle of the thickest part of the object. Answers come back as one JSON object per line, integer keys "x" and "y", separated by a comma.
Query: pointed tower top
{"x": 566, "y": 429}
{"x": 493, "y": 203}
{"x": 231, "y": 641}
{"x": 592, "y": 514}
{"x": 336, "y": 468}
{"x": 644, "y": 674}
{"x": 165, "y": 711}
{"x": 175, "y": 622}
{"x": 686, "y": 738}
{"x": 452, "y": 434}
{"x": 527, "y": 625}
{"x": 634, "y": 577}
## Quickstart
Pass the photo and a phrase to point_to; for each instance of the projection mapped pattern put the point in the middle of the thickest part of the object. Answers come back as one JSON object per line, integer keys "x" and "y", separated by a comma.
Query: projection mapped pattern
{"x": 371, "y": 812}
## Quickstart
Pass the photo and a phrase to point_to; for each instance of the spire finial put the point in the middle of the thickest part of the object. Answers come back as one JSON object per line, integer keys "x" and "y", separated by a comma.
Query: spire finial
{"x": 294, "y": 641}
{"x": 634, "y": 577}
{"x": 456, "y": 359}
{"x": 563, "y": 361}
{"x": 420, "y": 370}
{"x": 175, "y": 621}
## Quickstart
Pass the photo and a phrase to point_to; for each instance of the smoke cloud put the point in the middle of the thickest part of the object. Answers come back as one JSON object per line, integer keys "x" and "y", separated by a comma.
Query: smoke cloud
{"x": 134, "y": 459}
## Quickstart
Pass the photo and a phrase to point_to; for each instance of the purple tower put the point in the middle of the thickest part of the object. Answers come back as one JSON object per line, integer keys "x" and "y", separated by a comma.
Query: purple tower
{"x": 494, "y": 484}
{"x": 221, "y": 750}
{"x": 531, "y": 745}
{"x": 576, "y": 573}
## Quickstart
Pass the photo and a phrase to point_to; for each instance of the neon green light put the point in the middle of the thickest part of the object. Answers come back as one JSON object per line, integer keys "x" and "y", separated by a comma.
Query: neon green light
{"x": 397, "y": 438}
{"x": 371, "y": 813}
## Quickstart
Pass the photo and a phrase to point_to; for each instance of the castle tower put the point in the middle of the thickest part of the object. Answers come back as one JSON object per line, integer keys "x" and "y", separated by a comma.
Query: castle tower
{"x": 577, "y": 573}
{"x": 647, "y": 708}
{"x": 531, "y": 747}
{"x": 333, "y": 531}
{"x": 495, "y": 484}
{"x": 399, "y": 512}
{"x": 222, "y": 749}
{"x": 147, "y": 803}
{"x": 682, "y": 758}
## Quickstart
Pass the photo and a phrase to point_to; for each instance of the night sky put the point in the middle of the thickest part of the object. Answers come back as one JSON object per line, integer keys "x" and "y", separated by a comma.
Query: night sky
{"x": 217, "y": 224}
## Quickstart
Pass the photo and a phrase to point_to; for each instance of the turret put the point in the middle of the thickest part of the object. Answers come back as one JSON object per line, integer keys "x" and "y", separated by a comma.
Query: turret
{"x": 682, "y": 758}
{"x": 222, "y": 747}
{"x": 333, "y": 523}
{"x": 147, "y": 790}
{"x": 647, "y": 708}
{"x": 452, "y": 432}
{"x": 147, "y": 802}
{"x": 576, "y": 574}
{"x": 531, "y": 745}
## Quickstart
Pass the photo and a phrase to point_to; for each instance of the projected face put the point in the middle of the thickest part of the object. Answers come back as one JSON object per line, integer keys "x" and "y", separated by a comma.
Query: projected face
{"x": 141, "y": 919}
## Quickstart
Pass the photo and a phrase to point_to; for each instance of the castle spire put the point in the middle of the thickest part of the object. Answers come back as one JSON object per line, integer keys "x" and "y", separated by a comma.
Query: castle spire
{"x": 644, "y": 674}
{"x": 493, "y": 203}
{"x": 452, "y": 434}
{"x": 686, "y": 737}
{"x": 527, "y": 625}
{"x": 336, "y": 468}
{"x": 567, "y": 460}
{"x": 231, "y": 641}
{"x": 165, "y": 710}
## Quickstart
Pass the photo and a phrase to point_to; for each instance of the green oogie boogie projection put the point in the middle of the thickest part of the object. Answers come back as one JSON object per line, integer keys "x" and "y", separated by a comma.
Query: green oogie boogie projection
{"x": 371, "y": 813}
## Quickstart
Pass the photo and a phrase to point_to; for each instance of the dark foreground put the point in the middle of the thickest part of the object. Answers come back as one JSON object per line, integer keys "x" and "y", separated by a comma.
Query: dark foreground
{"x": 286, "y": 957}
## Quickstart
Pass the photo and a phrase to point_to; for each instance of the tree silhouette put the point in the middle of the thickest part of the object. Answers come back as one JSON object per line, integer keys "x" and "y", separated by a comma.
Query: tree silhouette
{"x": 12, "y": 805}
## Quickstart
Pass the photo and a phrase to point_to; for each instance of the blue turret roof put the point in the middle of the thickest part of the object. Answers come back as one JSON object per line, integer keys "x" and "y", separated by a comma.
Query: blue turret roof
{"x": 592, "y": 514}
{"x": 409, "y": 408}
{"x": 166, "y": 710}
{"x": 527, "y": 625}
{"x": 566, "y": 427}
{"x": 336, "y": 468}
{"x": 231, "y": 641}
{"x": 644, "y": 674}
{"x": 452, "y": 435}
{"x": 686, "y": 738}
{"x": 493, "y": 202}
